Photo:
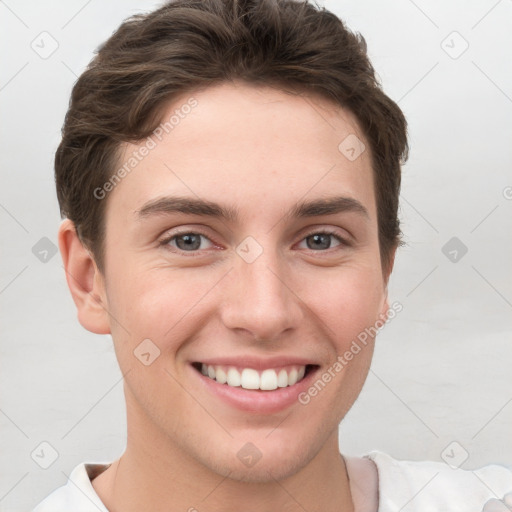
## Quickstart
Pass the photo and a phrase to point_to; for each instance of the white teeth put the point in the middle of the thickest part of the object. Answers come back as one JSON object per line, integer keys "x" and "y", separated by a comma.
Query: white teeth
{"x": 292, "y": 377}
{"x": 268, "y": 380}
{"x": 220, "y": 376}
{"x": 282, "y": 379}
{"x": 233, "y": 377}
{"x": 249, "y": 378}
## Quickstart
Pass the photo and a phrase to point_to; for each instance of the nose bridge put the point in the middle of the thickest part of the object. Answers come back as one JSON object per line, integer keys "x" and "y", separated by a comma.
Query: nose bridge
{"x": 260, "y": 300}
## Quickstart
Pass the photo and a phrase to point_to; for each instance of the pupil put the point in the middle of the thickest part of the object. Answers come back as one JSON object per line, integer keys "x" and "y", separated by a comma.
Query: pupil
{"x": 190, "y": 240}
{"x": 321, "y": 240}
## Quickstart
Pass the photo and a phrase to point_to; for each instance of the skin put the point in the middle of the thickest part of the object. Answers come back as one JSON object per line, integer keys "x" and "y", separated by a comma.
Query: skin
{"x": 260, "y": 150}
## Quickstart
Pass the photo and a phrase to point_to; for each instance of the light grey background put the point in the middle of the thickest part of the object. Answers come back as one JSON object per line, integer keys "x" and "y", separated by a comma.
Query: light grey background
{"x": 442, "y": 368}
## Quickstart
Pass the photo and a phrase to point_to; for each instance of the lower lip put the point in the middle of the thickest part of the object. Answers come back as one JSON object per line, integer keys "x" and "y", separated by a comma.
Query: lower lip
{"x": 257, "y": 401}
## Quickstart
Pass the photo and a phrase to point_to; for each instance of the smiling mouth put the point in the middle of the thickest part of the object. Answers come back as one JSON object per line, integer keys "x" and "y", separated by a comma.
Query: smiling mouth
{"x": 251, "y": 379}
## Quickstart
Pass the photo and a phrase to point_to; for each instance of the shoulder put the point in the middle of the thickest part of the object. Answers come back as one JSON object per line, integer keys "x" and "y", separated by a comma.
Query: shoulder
{"x": 77, "y": 494}
{"x": 428, "y": 485}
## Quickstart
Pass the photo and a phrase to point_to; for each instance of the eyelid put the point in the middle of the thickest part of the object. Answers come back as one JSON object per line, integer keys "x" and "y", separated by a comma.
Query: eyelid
{"x": 167, "y": 238}
{"x": 342, "y": 234}
{"x": 342, "y": 240}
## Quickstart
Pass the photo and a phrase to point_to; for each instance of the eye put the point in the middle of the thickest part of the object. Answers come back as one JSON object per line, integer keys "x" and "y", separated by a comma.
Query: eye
{"x": 322, "y": 240}
{"x": 187, "y": 241}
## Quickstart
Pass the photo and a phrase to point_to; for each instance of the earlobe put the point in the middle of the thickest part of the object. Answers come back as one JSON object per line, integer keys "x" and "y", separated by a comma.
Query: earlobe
{"x": 85, "y": 281}
{"x": 384, "y": 312}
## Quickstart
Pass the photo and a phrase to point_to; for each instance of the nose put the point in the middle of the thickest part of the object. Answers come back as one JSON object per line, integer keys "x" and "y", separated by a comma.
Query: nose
{"x": 259, "y": 299}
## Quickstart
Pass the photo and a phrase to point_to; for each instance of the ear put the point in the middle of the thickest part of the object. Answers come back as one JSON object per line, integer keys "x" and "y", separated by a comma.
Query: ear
{"x": 386, "y": 274}
{"x": 85, "y": 281}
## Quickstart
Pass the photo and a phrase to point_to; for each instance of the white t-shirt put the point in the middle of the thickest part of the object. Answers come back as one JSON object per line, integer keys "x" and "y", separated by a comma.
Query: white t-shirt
{"x": 399, "y": 485}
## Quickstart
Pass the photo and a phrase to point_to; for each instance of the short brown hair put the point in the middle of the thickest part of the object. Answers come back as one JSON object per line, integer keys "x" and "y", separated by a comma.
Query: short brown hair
{"x": 192, "y": 44}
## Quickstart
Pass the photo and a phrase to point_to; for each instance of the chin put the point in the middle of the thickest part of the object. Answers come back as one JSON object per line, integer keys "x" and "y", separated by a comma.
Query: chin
{"x": 263, "y": 472}
{"x": 269, "y": 467}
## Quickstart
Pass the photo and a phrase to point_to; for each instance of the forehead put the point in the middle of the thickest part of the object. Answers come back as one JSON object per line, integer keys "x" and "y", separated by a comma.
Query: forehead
{"x": 256, "y": 149}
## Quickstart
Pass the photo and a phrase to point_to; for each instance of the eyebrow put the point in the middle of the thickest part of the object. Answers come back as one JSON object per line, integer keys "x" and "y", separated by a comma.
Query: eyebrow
{"x": 193, "y": 206}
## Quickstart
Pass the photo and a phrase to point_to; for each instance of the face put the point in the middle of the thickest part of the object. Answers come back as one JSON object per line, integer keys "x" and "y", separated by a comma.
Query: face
{"x": 244, "y": 244}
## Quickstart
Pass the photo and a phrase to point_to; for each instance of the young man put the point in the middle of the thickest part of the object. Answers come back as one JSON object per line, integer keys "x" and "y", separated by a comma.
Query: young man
{"x": 230, "y": 173}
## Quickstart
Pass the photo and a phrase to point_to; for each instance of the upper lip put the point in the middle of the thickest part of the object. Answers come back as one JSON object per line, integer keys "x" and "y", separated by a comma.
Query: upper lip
{"x": 257, "y": 363}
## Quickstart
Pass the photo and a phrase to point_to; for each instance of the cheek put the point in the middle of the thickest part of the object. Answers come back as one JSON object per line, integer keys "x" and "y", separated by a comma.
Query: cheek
{"x": 346, "y": 309}
{"x": 346, "y": 302}
{"x": 161, "y": 304}
{"x": 152, "y": 315}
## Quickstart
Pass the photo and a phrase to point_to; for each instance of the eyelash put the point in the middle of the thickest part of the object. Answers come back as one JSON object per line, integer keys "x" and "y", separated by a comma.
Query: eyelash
{"x": 165, "y": 241}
